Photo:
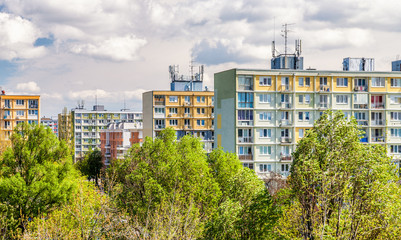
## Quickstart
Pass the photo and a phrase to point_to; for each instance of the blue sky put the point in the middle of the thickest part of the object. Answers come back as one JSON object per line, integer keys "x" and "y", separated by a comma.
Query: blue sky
{"x": 116, "y": 49}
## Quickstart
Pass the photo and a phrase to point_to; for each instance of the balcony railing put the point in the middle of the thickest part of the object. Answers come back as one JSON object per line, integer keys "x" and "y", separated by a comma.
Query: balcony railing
{"x": 360, "y": 88}
{"x": 323, "y": 105}
{"x": 285, "y": 157}
{"x": 285, "y": 139}
{"x": 362, "y": 122}
{"x": 159, "y": 126}
{"x": 378, "y": 105}
{"x": 361, "y": 106}
{"x": 158, "y": 103}
{"x": 378, "y": 139}
{"x": 285, "y": 88}
{"x": 377, "y": 122}
{"x": 285, "y": 122}
{"x": 33, "y": 105}
{"x": 245, "y": 157}
{"x": 285, "y": 105}
{"x": 245, "y": 139}
{"x": 324, "y": 89}
{"x": 245, "y": 122}
{"x": 187, "y": 127}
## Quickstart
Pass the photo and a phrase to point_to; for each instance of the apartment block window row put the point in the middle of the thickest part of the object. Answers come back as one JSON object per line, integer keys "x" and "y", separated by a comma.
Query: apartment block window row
{"x": 342, "y": 82}
{"x": 245, "y": 100}
{"x": 265, "y": 81}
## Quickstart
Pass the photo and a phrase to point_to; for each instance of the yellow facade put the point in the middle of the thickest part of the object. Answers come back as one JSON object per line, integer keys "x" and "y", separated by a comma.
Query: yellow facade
{"x": 16, "y": 109}
{"x": 392, "y": 89}
{"x": 259, "y": 87}
{"x": 304, "y": 88}
{"x": 339, "y": 88}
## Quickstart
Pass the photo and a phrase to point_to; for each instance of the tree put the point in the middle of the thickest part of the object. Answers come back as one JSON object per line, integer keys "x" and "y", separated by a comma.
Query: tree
{"x": 36, "y": 175}
{"x": 341, "y": 188}
{"x": 91, "y": 165}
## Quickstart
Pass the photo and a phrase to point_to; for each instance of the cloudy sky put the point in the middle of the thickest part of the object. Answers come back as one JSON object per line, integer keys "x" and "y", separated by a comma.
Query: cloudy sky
{"x": 74, "y": 50}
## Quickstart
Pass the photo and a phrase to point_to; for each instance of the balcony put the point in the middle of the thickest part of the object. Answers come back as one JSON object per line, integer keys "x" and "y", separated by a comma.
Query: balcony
{"x": 187, "y": 127}
{"x": 285, "y": 88}
{"x": 285, "y": 122}
{"x": 378, "y": 105}
{"x": 285, "y": 139}
{"x": 245, "y": 139}
{"x": 33, "y": 106}
{"x": 245, "y": 157}
{"x": 377, "y": 123}
{"x": 160, "y": 103}
{"x": 285, "y": 105}
{"x": 360, "y": 88}
{"x": 187, "y": 115}
{"x": 245, "y": 122}
{"x": 362, "y": 122}
{"x": 378, "y": 139}
{"x": 324, "y": 89}
{"x": 285, "y": 157}
{"x": 361, "y": 106}
{"x": 159, "y": 126}
{"x": 7, "y": 117}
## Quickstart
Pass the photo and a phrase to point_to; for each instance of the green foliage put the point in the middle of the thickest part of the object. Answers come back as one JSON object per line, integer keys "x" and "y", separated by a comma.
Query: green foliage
{"x": 340, "y": 188}
{"x": 36, "y": 175}
{"x": 91, "y": 165}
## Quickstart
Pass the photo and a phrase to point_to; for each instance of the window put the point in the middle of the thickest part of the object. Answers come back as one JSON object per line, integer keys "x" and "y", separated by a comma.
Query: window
{"x": 342, "y": 99}
{"x": 265, "y": 150}
{"x": 20, "y": 102}
{"x": 323, "y": 81}
{"x": 173, "y": 99}
{"x": 265, "y": 81}
{"x": 301, "y": 99}
{"x": 360, "y": 82}
{"x": 187, "y": 122}
{"x": 307, "y": 116}
{"x": 285, "y": 167}
{"x": 301, "y": 81}
{"x": 395, "y": 99}
{"x": 395, "y": 148}
{"x": 265, "y": 167}
{"x": 395, "y": 116}
{"x": 307, "y": 81}
{"x": 200, "y": 110}
{"x": 35, "y": 113}
{"x": 33, "y": 103}
{"x": 200, "y": 122}
{"x": 378, "y": 82}
{"x": 173, "y": 110}
{"x": 396, "y": 82}
{"x": 20, "y": 113}
{"x": 265, "y": 98}
{"x": 244, "y": 150}
{"x": 7, "y": 103}
{"x": 78, "y": 127}
{"x": 265, "y": 133}
{"x": 307, "y": 98}
{"x": 301, "y": 133}
{"x": 173, "y": 122}
{"x": 342, "y": 82}
{"x": 186, "y": 110}
{"x": 159, "y": 110}
{"x": 7, "y": 124}
{"x": 245, "y": 100}
{"x": 301, "y": 116}
{"x": 245, "y": 115}
{"x": 245, "y": 82}
{"x": 265, "y": 116}
{"x": 248, "y": 165}
{"x": 395, "y": 132}
{"x": 187, "y": 99}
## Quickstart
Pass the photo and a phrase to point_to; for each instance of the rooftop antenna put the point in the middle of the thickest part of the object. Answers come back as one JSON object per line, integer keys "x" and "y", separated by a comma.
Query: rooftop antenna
{"x": 96, "y": 98}
{"x": 274, "y": 39}
{"x": 285, "y": 35}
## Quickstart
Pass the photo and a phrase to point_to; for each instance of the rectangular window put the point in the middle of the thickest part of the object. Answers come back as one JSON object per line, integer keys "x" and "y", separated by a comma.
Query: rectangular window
{"x": 307, "y": 82}
{"x": 395, "y": 99}
{"x": 248, "y": 165}
{"x": 159, "y": 110}
{"x": 378, "y": 82}
{"x": 395, "y": 132}
{"x": 301, "y": 81}
{"x": 301, "y": 116}
{"x": 187, "y": 99}
{"x": 173, "y": 110}
{"x": 395, "y": 116}
{"x": 20, "y": 113}
{"x": 342, "y": 82}
{"x": 301, "y": 133}
{"x": 173, "y": 122}
{"x": 265, "y": 98}
{"x": 35, "y": 113}
{"x": 200, "y": 122}
{"x": 396, "y": 82}
{"x": 301, "y": 99}
{"x": 307, "y": 116}
{"x": 395, "y": 148}
{"x": 265, "y": 116}
{"x": 265, "y": 150}
{"x": 245, "y": 100}
{"x": 245, "y": 83}
{"x": 20, "y": 102}
{"x": 307, "y": 98}
{"x": 245, "y": 114}
{"x": 342, "y": 99}
{"x": 173, "y": 99}
{"x": 265, "y": 81}
{"x": 265, "y": 167}
{"x": 265, "y": 133}
{"x": 323, "y": 81}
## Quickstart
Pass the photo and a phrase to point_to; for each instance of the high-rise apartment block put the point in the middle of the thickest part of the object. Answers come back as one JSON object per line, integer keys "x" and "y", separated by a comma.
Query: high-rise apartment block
{"x": 87, "y": 124}
{"x": 16, "y": 109}
{"x": 118, "y": 138}
{"x": 51, "y": 122}
{"x": 262, "y": 114}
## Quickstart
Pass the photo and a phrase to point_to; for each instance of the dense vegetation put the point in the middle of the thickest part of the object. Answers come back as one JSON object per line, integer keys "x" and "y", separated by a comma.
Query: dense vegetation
{"x": 339, "y": 188}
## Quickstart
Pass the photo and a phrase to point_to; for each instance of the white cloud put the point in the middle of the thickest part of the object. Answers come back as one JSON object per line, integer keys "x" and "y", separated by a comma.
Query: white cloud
{"x": 17, "y": 38}
{"x": 51, "y": 96}
{"x": 28, "y": 87}
{"x": 117, "y": 48}
{"x": 111, "y": 96}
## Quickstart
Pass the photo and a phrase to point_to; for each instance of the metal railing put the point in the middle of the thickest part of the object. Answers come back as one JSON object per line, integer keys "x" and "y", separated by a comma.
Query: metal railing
{"x": 245, "y": 157}
{"x": 360, "y": 88}
{"x": 245, "y": 139}
{"x": 285, "y": 139}
{"x": 378, "y": 139}
{"x": 378, "y": 105}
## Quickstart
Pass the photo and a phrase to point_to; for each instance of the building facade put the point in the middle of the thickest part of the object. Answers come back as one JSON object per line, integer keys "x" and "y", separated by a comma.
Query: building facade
{"x": 188, "y": 112}
{"x": 262, "y": 114}
{"x": 16, "y": 109}
{"x": 65, "y": 127}
{"x": 118, "y": 138}
{"x": 87, "y": 124}
{"x": 51, "y": 122}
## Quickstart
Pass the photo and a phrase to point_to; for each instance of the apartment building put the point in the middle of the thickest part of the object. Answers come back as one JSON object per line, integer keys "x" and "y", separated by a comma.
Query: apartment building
{"x": 65, "y": 127}
{"x": 262, "y": 114}
{"x": 16, "y": 109}
{"x": 50, "y": 122}
{"x": 87, "y": 124}
{"x": 117, "y": 139}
